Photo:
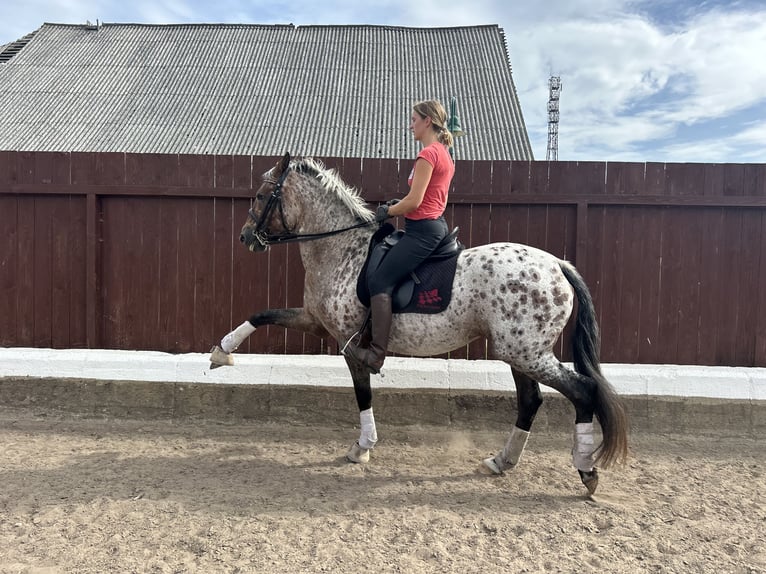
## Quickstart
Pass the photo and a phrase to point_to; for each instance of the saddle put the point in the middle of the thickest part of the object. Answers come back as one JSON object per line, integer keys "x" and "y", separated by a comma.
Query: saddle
{"x": 428, "y": 289}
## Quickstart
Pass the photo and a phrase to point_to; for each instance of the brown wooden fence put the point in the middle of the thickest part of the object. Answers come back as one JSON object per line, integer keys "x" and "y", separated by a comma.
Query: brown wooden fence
{"x": 140, "y": 251}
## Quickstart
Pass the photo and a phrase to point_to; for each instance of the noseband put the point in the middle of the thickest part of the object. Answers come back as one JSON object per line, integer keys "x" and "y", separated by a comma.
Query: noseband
{"x": 264, "y": 238}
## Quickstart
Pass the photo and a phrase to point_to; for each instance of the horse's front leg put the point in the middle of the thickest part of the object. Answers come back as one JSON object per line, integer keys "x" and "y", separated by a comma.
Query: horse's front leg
{"x": 293, "y": 318}
{"x": 368, "y": 436}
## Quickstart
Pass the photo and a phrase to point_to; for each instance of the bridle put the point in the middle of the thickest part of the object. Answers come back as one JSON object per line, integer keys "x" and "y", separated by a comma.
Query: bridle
{"x": 264, "y": 238}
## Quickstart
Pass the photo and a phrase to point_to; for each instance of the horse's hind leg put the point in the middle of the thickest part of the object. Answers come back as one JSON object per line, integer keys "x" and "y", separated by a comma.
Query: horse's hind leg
{"x": 581, "y": 392}
{"x": 368, "y": 436}
{"x": 528, "y": 400}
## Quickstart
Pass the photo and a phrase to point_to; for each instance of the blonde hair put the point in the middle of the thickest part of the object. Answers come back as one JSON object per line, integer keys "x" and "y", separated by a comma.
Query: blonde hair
{"x": 435, "y": 110}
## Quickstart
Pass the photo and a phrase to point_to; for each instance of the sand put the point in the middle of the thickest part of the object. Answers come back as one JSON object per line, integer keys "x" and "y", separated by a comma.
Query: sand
{"x": 114, "y": 495}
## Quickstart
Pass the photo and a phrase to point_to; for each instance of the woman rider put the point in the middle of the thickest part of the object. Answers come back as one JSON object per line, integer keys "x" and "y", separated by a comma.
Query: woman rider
{"x": 425, "y": 226}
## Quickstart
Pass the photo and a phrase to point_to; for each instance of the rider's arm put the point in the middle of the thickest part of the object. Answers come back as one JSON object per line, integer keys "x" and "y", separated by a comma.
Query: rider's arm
{"x": 414, "y": 198}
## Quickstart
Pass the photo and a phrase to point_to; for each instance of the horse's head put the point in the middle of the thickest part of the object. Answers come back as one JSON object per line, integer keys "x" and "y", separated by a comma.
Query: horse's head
{"x": 266, "y": 217}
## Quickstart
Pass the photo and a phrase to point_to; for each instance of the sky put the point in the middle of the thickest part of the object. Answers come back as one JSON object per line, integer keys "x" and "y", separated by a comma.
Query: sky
{"x": 642, "y": 80}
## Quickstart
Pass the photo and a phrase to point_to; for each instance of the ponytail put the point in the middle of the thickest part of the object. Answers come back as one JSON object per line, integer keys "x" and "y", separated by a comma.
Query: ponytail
{"x": 445, "y": 137}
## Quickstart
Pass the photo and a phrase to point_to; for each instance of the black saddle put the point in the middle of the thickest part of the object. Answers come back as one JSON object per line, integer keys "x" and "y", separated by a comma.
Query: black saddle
{"x": 403, "y": 298}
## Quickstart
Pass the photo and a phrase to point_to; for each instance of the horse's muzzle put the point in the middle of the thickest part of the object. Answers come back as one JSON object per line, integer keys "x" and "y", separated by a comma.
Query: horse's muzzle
{"x": 253, "y": 241}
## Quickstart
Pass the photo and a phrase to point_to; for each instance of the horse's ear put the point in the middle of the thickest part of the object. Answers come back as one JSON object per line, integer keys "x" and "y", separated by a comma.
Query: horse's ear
{"x": 284, "y": 162}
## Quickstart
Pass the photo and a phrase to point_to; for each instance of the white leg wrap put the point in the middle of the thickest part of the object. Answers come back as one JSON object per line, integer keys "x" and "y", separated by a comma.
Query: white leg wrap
{"x": 514, "y": 447}
{"x": 369, "y": 435}
{"x": 234, "y": 339}
{"x": 582, "y": 453}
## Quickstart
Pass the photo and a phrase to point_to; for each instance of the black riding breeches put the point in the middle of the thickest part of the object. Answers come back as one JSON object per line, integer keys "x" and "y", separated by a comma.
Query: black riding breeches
{"x": 420, "y": 239}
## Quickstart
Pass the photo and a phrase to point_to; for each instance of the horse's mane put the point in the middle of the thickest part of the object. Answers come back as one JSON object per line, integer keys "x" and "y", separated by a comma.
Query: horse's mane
{"x": 331, "y": 181}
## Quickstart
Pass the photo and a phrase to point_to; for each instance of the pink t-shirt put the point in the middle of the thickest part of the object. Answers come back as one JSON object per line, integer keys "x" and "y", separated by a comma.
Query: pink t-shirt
{"x": 435, "y": 198}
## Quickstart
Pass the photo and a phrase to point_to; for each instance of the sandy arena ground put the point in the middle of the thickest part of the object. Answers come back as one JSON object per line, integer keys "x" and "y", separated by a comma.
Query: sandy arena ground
{"x": 97, "y": 496}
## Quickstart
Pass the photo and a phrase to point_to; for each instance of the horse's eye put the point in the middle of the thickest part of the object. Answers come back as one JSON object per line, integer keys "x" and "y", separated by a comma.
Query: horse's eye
{"x": 259, "y": 196}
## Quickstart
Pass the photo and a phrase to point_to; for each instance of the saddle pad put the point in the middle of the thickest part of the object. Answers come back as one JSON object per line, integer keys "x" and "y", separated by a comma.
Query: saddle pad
{"x": 434, "y": 292}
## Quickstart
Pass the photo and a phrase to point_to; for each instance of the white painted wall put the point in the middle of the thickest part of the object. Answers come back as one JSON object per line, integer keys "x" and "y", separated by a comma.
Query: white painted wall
{"x": 320, "y": 370}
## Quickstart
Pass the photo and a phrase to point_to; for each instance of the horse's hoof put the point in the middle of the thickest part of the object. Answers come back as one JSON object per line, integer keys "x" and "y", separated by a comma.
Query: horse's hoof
{"x": 489, "y": 466}
{"x": 590, "y": 480}
{"x": 220, "y": 359}
{"x": 358, "y": 454}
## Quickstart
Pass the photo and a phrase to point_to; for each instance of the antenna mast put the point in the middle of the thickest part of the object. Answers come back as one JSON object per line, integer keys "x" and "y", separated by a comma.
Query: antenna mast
{"x": 554, "y": 86}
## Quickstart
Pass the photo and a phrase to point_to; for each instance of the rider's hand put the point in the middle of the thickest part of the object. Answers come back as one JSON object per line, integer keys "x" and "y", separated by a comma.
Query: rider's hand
{"x": 391, "y": 202}
{"x": 382, "y": 214}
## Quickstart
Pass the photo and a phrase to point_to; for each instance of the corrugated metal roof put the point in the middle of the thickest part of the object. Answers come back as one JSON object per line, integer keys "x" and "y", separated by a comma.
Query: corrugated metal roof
{"x": 342, "y": 91}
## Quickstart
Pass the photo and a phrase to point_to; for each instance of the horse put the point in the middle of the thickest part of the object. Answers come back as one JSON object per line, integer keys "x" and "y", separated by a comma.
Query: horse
{"x": 518, "y": 297}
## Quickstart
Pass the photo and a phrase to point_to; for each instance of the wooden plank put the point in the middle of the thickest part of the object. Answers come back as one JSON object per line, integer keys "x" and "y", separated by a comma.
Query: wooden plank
{"x": 351, "y": 172}
{"x": 690, "y": 230}
{"x": 759, "y": 359}
{"x": 651, "y": 265}
{"x": 462, "y": 182}
{"x": 632, "y": 278}
{"x": 203, "y": 264}
{"x": 77, "y": 271}
{"x": 711, "y": 287}
{"x": 170, "y": 283}
{"x": 538, "y": 178}
{"x": 152, "y": 169}
{"x": 25, "y": 272}
{"x": 733, "y": 179}
{"x": 224, "y": 241}
{"x": 9, "y": 269}
{"x": 612, "y": 271}
{"x": 521, "y": 178}
{"x": 654, "y": 179}
{"x": 749, "y": 288}
{"x": 7, "y": 160}
{"x": 728, "y": 313}
{"x": 755, "y": 180}
{"x": 52, "y": 168}
{"x": 202, "y": 171}
{"x": 481, "y": 182}
{"x": 501, "y": 178}
{"x": 45, "y": 219}
{"x": 670, "y": 296}
{"x": 185, "y": 214}
{"x": 684, "y": 179}
{"x": 62, "y": 235}
{"x": 624, "y": 178}
{"x": 89, "y": 168}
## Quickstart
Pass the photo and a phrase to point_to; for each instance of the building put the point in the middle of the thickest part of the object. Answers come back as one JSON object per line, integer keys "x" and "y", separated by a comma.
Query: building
{"x": 335, "y": 91}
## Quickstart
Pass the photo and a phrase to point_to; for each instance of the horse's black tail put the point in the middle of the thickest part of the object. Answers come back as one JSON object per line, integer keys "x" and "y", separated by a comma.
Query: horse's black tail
{"x": 586, "y": 347}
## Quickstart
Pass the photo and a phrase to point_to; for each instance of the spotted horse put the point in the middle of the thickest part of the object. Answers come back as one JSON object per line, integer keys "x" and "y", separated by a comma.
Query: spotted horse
{"x": 519, "y": 298}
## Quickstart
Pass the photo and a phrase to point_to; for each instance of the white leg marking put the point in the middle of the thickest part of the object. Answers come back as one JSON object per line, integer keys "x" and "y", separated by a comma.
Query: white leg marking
{"x": 582, "y": 453}
{"x": 234, "y": 339}
{"x": 369, "y": 435}
{"x": 511, "y": 453}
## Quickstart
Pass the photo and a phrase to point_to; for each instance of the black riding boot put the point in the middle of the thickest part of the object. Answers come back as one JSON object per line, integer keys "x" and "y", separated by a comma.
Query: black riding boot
{"x": 373, "y": 357}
